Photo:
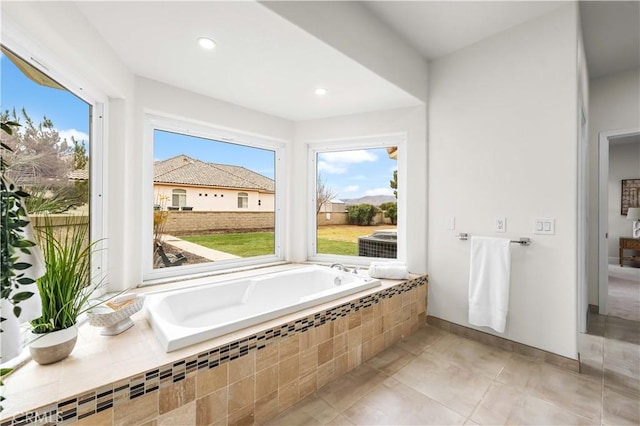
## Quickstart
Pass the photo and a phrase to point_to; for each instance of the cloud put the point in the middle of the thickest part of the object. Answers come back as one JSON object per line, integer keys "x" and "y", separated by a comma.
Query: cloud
{"x": 349, "y": 157}
{"x": 77, "y": 134}
{"x": 351, "y": 188}
{"x": 379, "y": 191}
{"x": 323, "y": 166}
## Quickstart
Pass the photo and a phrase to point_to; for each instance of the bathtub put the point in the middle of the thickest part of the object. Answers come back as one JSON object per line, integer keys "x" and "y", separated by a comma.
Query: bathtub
{"x": 184, "y": 317}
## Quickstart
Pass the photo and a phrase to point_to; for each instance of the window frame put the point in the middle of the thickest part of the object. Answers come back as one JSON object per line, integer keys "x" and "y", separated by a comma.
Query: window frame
{"x": 15, "y": 40}
{"x": 350, "y": 144}
{"x": 182, "y": 196}
{"x": 158, "y": 121}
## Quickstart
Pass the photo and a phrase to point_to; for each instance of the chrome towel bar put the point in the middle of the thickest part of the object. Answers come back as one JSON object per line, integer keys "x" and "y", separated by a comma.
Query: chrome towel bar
{"x": 523, "y": 241}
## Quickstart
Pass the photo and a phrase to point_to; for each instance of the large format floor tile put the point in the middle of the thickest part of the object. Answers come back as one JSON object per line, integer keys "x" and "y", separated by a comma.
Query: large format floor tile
{"x": 435, "y": 377}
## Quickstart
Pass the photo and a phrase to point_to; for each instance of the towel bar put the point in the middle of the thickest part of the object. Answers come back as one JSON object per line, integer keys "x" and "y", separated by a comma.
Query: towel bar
{"x": 523, "y": 241}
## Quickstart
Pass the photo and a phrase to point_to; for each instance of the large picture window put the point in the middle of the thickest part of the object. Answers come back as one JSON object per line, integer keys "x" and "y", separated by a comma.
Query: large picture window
{"x": 357, "y": 210}
{"x": 200, "y": 189}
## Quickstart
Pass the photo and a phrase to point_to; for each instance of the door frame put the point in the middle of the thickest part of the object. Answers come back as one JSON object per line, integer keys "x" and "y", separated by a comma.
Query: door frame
{"x": 604, "y": 139}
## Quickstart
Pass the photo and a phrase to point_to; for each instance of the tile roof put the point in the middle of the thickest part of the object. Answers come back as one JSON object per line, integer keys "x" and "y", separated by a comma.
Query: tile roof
{"x": 184, "y": 170}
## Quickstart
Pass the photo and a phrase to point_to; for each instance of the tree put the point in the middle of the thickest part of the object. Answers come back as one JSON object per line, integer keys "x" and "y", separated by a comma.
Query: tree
{"x": 361, "y": 214}
{"x": 324, "y": 194}
{"x": 390, "y": 210}
{"x": 41, "y": 162}
{"x": 394, "y": 183}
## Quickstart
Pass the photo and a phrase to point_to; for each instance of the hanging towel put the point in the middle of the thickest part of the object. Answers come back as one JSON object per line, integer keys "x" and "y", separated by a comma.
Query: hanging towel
{"x": 489, "y": 278}
{"x": 11, "y": 337}
{"x": 390, "y": 270}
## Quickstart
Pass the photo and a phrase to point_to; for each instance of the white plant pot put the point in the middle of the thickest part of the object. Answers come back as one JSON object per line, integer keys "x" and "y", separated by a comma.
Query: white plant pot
{"x": 55, "y": 346}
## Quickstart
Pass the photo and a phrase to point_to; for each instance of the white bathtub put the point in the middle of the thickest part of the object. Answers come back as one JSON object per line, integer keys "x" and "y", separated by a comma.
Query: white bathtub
{"x": 184, "y": 317}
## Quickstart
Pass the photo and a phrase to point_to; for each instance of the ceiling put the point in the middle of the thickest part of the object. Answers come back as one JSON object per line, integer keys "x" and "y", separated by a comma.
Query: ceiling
{"x": 261, "y": 61}
{"x": 264, "y": 62}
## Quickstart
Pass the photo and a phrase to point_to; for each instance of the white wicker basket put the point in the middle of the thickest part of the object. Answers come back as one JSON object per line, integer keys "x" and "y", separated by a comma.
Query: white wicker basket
{"x": 115, "y": 321}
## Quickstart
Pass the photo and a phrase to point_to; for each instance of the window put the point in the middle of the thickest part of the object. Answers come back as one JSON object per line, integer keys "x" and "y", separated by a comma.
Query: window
{"x": 243, "y": 200}
{"x": 356, "y": 212}
{"x": 57, "y": 148}
{"x": 229, "y": 230}
{"x": 178, "y": 197}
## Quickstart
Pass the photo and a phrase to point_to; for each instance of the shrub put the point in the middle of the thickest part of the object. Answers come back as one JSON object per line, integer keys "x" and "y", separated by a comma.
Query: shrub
{"x": 361, "y": 214}
{"x": 390, "y": 210}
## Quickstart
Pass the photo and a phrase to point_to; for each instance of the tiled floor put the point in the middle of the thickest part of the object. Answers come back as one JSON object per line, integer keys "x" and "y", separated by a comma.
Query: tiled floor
{"x": 434, "y": 377}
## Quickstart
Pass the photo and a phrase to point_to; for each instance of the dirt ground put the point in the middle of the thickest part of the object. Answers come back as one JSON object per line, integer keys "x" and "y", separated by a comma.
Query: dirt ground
{"x": 349, "y": 233}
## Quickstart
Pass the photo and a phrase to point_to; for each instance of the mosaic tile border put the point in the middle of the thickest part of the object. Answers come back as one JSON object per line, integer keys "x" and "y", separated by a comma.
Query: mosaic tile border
{"x": 114, "y": 394}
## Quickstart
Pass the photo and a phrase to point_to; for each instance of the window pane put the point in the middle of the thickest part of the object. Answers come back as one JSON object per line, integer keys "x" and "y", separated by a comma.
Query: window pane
{"x": 199, "y": 214}
{"x": 50, "y": 150}
{"x": 356, "y": 205}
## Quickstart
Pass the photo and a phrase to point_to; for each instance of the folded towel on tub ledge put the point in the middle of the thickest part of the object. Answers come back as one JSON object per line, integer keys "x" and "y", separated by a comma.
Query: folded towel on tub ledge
{"x": 390, "y": 270}
{"x": 489, "y": 280}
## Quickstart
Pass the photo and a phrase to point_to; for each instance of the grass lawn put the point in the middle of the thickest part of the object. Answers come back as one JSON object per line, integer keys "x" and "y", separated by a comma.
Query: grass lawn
{"x": 341, "y": 239}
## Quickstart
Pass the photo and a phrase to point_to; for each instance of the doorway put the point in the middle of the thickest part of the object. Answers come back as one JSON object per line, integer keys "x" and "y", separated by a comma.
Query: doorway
{"x": 606, "y": 236}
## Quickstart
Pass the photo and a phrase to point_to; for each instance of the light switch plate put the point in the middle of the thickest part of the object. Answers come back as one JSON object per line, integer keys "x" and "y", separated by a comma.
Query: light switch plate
{"x": 451, "y": 223}
{"x": 544, "y": 226}
{"x": 501, "y": 224}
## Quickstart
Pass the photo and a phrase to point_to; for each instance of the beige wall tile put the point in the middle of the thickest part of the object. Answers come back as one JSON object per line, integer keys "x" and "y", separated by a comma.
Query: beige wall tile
{"x": 137, "y": 411}
{"x": 266, "y": 408}
{"x": 184, "y": 415}
{"x": 242, "y": 367}
{"x": 242, "y": 417}
{"x": 340, "y": 365}
{"x": 325, "y": 373}
{"x": 355, "y": 337}
{"x": 308, "y": 361}
{"x": 367, "y": 314}
{"x": 241, "y": 394}
{"x": 340, "y": 344}
{"x": 289, "y": 370}
{"x": 324, "y": 332}
{"x": 177, "y": 394}
{"x": 325, "y": 351}
{"x": 355, "y": 357}
{"x": 288, "y": 395}
{"x": 267, "y": 356}
{"x": 266, "y": 381}
{"x": 308, "y": 384}
{"x": 289, "y": 347}
{"x": 355, "y": 319}
{"x": 308, "y": 339}
{"x": 367, "y": 331}
{"x": 340, "y": 325}
{"x": 212, "y": 407}
{"x": 208, "y": 381}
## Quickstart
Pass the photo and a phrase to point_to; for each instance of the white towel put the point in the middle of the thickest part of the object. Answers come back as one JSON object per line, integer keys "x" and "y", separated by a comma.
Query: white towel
{"x": 11, "y": 337}
{"x": 489, "y": 278}
{"x": 390, "y": 270}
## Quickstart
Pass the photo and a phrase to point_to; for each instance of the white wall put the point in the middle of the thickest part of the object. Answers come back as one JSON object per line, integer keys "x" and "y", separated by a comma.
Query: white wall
{"x": 343, "y": 25}
{"x": 411, "y": 121}
{"x": 503, "y": 142}
{"x": 614, "y": 104}
{"x": 624, "y": 163}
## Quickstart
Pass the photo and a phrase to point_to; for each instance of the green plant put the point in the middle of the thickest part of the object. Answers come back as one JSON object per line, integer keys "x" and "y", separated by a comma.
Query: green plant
{"x": 361, "y": 214}
{"x": 67, "y": 285}
{"x": 12, "y": 239}
{"x": 390, "y": 210}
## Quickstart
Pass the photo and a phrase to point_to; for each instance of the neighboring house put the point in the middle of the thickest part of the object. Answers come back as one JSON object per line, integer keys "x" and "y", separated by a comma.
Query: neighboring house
{"x": 187, "y": 183}
{"x": 333, "y": 206}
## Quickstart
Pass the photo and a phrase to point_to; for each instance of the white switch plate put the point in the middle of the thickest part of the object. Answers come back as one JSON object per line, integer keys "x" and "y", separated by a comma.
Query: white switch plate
{"x": 451, "y": 224}
{"x": 501, "y": 224}
{"x": 544, "y": 226}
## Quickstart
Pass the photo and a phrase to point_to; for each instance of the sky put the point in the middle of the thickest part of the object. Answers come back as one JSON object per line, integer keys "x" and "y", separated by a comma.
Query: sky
{"x": 350, "y": 174}
{"x": 69, "y": 114}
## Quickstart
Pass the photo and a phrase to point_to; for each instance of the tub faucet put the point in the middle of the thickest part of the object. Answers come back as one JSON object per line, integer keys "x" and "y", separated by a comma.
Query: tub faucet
{"x": 341, "y": 267}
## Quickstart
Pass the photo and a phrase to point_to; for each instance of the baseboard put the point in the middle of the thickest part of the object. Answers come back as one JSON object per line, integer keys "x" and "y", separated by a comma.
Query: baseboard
{"x": 505, "y": 344}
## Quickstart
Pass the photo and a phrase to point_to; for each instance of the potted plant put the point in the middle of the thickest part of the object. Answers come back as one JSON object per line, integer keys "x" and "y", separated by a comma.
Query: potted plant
{"x": 65, "y": 288}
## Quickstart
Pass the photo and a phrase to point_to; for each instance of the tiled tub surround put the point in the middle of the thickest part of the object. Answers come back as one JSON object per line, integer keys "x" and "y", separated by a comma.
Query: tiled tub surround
{"x": 242, "y": 378}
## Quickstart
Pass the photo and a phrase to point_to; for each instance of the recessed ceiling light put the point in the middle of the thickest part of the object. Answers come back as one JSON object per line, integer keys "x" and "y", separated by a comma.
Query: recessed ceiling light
{"x": 206, "y": 43}
{"x": 321, "y": 91}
